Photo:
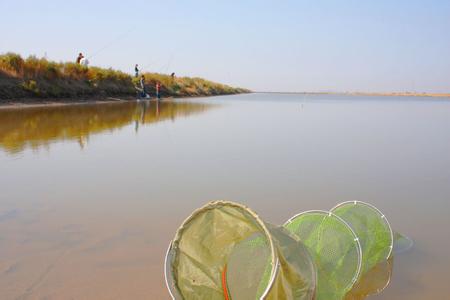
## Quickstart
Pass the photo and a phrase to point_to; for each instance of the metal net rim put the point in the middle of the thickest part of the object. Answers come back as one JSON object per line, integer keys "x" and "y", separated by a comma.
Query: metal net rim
{"x": 355, "y": 238}
{"x": 212, "y": 205}
{"x": 391, "y": 233}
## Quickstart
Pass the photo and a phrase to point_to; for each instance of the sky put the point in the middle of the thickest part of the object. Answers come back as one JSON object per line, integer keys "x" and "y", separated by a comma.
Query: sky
{"x": 288, "y": 45}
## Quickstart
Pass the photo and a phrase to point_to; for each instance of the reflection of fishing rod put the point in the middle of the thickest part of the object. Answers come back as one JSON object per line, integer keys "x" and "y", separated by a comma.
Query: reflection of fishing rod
{"x": 118, "y": 38}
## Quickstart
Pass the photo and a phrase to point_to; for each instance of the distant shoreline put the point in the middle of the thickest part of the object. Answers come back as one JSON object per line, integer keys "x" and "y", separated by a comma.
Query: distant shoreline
{"x": 391, "y": 94}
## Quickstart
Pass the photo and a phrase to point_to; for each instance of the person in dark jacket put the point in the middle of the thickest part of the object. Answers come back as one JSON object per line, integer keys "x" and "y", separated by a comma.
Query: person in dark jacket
{"x": 136, "y": 71}
{"x": 79, "y": 58}
{"x": 143, "y": 90}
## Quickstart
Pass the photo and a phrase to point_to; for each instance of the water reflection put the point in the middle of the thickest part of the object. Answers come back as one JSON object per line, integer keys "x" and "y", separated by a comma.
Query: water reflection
{"x": 373, "y": 282}
{"x": 40, "y": 126}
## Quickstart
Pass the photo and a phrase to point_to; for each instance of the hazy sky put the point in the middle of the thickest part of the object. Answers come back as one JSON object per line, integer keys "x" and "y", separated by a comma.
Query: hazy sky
{"x": 263, "y": 45}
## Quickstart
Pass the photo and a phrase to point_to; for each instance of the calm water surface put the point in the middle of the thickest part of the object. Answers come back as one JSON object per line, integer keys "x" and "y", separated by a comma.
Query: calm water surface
{"x": 90, "y": 195}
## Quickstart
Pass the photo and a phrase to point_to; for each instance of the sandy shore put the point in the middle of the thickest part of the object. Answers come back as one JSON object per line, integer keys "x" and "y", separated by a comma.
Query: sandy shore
{"x": 399, "y": 94}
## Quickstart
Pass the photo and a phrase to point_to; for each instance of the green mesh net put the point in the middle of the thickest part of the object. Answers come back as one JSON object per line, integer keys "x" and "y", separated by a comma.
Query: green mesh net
{"x": 335, "y": 249}
{"x": 372, "y": 228}
{"x": 224, "y": 251}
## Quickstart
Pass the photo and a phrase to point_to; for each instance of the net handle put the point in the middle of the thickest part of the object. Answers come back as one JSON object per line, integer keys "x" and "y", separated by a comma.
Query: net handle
{"x": 224, "y": 283}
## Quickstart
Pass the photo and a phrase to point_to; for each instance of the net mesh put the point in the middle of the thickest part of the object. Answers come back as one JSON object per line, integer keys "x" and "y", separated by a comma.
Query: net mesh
{"x": 372, "y": 229}
{"x": 335, "y": 250}
{"x": 402, "y": 243}
{"x": 203, "y": 245}
{"x": 224, "y": 251}
{"x": 296, "y": 277}
{"x": 248, "y": 268}
{"x": 372, "y": 282}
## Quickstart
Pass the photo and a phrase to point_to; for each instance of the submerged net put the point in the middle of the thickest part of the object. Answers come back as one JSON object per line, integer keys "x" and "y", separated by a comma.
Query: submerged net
{"x": 335, "y": 249}
{"x": 224, "y": 251}
{"x": 372, "y": 228}
{"x": 372, "y": 282}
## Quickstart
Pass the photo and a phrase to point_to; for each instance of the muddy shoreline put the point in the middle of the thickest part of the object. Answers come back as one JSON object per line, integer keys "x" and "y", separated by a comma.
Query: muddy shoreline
{"x": 22, "y": 103}
{"x": 33, "y": 102}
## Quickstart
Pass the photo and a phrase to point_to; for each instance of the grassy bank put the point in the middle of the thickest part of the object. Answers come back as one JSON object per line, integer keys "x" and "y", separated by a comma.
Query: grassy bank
{"x": 39, "y": 78}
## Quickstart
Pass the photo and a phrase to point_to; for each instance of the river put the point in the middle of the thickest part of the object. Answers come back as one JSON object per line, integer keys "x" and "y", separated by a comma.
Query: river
{"x": 92, "y": 194}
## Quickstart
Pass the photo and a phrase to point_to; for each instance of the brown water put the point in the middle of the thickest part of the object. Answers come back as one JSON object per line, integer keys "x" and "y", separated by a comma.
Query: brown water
{"x": 91, "y": 195}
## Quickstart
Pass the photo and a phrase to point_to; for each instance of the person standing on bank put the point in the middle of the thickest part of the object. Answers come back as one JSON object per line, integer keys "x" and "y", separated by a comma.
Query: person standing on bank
{"x": 79, "y": 58}
{"x": 136, "y": 71}
{"x": 158, "y": 90}
{"x": 84, "y": 62}
{"x": 143, "y": 92}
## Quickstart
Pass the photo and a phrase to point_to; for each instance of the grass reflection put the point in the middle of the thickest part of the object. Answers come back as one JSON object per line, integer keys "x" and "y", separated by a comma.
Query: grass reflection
{"x": 40, "y": 126}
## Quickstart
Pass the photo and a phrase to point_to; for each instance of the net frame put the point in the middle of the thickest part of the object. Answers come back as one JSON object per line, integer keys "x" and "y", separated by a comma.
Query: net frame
{"x": 168, "y": 274}
{"x": 391, "y": 233}
{"x": 349, "y": 228}
{"x": 355, "y": 202}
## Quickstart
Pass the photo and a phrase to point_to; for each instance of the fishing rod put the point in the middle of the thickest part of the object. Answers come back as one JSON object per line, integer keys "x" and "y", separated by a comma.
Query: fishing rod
{"x": 169, "y": 62}
{"x": 147, "y": 65}
{"x": 118, "y": 38}
{"x": 165, "y": 67}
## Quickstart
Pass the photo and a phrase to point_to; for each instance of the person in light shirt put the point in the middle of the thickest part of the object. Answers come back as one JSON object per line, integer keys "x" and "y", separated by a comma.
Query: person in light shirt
{"x": 84, "y": 62}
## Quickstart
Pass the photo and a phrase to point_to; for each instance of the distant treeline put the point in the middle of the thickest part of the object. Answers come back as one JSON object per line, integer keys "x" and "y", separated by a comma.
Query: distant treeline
{"x": 35, "y": 77}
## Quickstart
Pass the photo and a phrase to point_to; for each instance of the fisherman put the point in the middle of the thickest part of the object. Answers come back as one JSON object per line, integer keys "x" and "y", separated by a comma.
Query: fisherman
{"x": 84, "y": 62}
{"x": 79, "y": 58}
{"x": 158, "y": 90}
{"x": 143, "y": 92}
{"x": 136, "y": 71}
{"x": 172, "y": 75}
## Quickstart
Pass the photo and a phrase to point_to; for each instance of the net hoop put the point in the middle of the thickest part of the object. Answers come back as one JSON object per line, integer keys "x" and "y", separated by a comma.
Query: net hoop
{"x": 355, "y": 238}
{"x": 211, "y": 205}
{"x": 355, "y": 202}
{"x": 166, "y": 271}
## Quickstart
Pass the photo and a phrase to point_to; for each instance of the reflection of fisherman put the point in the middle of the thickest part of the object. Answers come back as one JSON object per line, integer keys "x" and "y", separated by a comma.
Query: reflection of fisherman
{"x": 157, "y": 108}
{"x": 158, "y": 90}
{"x": 82, "y": 141}
{"x": 143, "y": 111}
